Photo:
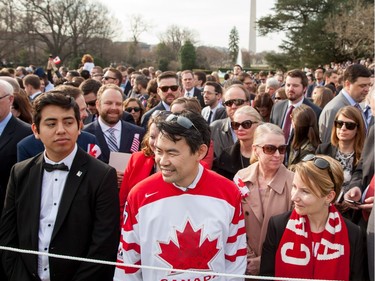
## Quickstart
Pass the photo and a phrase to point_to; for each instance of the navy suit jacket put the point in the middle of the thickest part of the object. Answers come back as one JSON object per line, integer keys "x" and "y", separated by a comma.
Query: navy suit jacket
{"x": 13, "y": 132}
{"x": 30, "y": 146}
{"x": 147, "y": 115}
{"x": 127, "y": 135}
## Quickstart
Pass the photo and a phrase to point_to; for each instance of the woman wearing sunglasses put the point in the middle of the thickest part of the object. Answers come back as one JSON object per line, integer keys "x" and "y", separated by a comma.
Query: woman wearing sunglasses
{"x": 347, "y": 139}
{"x": 305, "y": 135}
{"x": 265, "y": 186}
{"x": 135, "y": 108}
{"x": 233, "y": 158}
{"x": 314, "y": 241}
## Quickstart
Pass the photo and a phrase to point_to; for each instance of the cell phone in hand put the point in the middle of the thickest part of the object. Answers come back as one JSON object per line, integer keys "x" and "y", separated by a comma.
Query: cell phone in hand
{"x": 353, "y": 202}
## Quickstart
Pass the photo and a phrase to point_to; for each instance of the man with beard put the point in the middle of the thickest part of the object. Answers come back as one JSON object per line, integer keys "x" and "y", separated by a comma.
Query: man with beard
{"x": 112, "y": 132}
{"x": 295, "y": 87}
{"x": 168, "y": 91}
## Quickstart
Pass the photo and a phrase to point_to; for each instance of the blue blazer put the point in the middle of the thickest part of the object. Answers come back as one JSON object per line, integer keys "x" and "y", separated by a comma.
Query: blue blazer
{"x": 30, "y": 146}
{"x": 127, "y": 135}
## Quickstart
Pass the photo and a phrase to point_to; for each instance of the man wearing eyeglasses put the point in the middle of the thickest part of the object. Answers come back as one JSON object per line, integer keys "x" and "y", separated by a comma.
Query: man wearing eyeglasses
{"x": 168, "y": 91}
{"x": 222, "y": 133}
{"x": 212, "y": 95}
{"x": 185, "y": 216}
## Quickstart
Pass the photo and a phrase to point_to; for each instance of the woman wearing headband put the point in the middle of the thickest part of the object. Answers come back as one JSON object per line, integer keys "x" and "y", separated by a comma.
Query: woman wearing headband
{"x": 314, "y": 241}
{"x": 265, "y": 187}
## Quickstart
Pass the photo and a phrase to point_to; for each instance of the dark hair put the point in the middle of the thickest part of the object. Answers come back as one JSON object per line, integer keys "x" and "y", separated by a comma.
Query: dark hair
{"x": 140, "y": 105}
{"x": 167, "y": 74}
{"x": 85, "y": 74}
{"x": 74, "y": 73}
{"x": 194, "y": 136}
{"x": 54, "y": 97}
{"x": 190, "y": 104}
{"x": 324, "y": 96}
{"x": 201, "y": 76}
{"x": 296, "y": 73}
{"x": 117, "y": 74}
{"x": 329, "y": 73}
{"x": 90, "y": 86}
{"x": 263, "y": 100}
{"x": 305, "y": 126}
{"x": 217, "y": 86}
{"x": 243, "y": 76}
{"x": 33, "y": 80}
{"x": 22, "y": 104}
{"x": 141, "y": 80}
{"x": 68, "y": 90}
{"x": 354, "y": 71}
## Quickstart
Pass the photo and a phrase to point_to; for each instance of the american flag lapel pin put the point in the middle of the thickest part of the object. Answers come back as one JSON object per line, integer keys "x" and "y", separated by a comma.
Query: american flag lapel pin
{"x": 79, "y": 173}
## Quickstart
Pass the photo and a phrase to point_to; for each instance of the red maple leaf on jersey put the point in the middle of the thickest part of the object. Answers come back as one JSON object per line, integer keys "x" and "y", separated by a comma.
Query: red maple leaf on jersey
{"x": 189, "y": 253}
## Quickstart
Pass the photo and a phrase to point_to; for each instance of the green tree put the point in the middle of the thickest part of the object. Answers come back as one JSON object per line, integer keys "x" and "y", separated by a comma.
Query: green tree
{"x": 308, "y": 40}
{"x": 234, "y": 39}
{"x": 188, "y": 56}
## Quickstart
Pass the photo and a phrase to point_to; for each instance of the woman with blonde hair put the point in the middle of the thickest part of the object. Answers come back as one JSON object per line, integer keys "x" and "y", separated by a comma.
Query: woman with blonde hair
{"x": 245, "y": 120}
{"x": 265, "y": 186}
{"x": 314, "y": 241}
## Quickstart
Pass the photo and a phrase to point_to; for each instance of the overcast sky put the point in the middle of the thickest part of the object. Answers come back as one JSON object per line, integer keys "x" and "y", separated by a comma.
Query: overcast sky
{"x": 211, "y": 19}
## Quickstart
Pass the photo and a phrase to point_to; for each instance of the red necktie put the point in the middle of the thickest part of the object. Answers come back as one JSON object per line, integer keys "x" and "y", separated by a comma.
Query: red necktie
{"x": 288, "y": 123}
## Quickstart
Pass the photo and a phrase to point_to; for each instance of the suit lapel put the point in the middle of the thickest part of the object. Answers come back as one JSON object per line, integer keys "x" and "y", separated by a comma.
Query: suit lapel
{"x": 34, "y": 184}
{"x": 8, "y": 131}
{"x": 126, "y": 137}
{"x": 73, "y": 183}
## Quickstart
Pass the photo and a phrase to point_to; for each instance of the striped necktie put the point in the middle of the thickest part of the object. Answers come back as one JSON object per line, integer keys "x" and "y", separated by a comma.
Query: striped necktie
{"x": 111, "y": 140}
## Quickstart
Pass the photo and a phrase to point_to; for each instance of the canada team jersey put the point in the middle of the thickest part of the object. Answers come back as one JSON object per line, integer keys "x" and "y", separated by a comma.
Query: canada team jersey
{"x": 200, "y": 229}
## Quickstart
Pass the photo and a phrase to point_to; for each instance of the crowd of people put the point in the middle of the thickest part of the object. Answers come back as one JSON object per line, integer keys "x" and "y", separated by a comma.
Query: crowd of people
{"x": 266, "y": 173}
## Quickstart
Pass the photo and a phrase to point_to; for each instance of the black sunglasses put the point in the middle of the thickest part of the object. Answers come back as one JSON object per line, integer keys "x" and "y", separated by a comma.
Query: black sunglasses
{"x": 166, "y": 88}
{"x": 236, "y": 102}
{"x": 107, "y": 78}
{"x": 322, "y": 164}
{"x": 349, "y": 125}
{"x": 270, "y": 149}
{"x": 91, "y": 103}
{"x": 245, "y": 124}
{"x": 182, "y": 121}
{"x": 130, "y": 109}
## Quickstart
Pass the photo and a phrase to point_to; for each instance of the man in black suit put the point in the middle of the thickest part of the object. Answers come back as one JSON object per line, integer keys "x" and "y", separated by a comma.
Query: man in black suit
{"x": 62, "y": 202}
{"x": 295, "y": 87}
{"x": 188, "y": 84}
{"x": 168, "y": 91}
{"x": 12, "y": 130}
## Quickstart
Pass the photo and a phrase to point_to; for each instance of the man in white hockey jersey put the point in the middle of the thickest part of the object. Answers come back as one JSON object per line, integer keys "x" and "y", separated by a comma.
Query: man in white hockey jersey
{"x": 185, "y": 216}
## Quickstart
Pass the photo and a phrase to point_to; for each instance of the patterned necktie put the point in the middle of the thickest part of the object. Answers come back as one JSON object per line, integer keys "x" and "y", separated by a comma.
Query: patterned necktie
{"x": 288, "y": 123}
{"x": 111, "y": 140}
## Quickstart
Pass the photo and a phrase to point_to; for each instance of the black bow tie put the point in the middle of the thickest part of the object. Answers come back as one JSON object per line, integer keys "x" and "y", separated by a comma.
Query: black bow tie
{"x": 50, "y": 167}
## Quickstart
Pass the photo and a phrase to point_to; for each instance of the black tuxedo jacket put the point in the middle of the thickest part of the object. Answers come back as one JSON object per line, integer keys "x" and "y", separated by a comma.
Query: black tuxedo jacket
{"x": 127, "y": 135}
{"x": 13, "y": 132}
{"x": 198, "y": 94}
{"x": 86, "y": 223}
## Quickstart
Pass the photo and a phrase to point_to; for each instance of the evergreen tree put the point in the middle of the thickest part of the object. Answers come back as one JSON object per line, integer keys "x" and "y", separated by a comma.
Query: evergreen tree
{"x": 233, "y": 44}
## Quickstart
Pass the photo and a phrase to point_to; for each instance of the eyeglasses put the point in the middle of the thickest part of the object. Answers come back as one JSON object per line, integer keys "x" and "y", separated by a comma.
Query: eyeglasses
{"x": 130, "y": 109}
{"x": 322, "y": 164}
{"x": 4, "y": 96}
{"x": 237, "y": 102}
{"x": 245, "y": 124}
{"x": 271, "y": 149}
{"x": 349, "y": 125}
{"x": 107, "y": 78}
{"x": 182, "y": 121}
{"x": 91, "y": 103}
{"x": 166, "y": 88}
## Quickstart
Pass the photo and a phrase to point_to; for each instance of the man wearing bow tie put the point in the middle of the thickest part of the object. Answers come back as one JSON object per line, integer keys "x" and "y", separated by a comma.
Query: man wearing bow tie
{"x": 62, "y": 201}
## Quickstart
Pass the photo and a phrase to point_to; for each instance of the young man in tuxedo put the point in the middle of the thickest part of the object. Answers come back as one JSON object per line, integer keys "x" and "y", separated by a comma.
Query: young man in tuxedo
{"x": 62, "y": 201}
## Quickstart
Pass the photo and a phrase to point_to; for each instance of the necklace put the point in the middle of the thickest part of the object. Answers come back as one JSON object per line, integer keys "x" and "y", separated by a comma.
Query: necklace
{"x": 346, "y": 156}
